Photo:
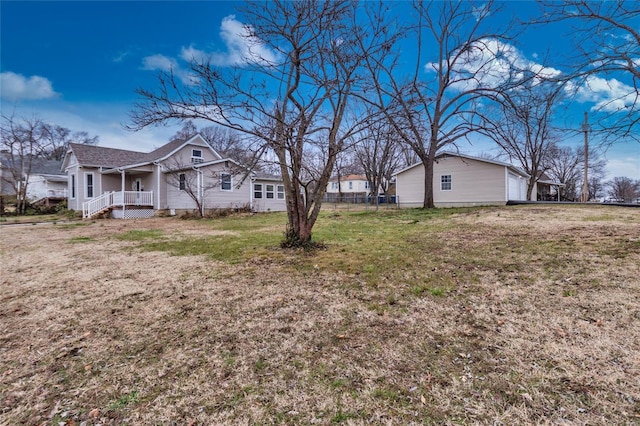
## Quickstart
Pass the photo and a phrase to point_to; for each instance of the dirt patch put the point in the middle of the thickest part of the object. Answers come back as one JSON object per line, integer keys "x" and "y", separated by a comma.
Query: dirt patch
{"x": 542, "y": 329}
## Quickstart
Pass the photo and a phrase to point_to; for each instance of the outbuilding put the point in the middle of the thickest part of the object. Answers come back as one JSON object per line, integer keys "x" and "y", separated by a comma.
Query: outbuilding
{"x": 461, "y": 180}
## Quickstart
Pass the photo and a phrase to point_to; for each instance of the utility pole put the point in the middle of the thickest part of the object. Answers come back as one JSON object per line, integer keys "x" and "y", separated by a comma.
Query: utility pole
{"x": 585, "y": 183}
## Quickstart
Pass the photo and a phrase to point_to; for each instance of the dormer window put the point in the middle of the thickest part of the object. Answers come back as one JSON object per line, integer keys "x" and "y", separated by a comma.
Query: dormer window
{"x": 196, "y": 156}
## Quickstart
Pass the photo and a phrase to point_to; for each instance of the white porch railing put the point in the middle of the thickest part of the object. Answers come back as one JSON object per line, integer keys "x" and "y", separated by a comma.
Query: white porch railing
{"x": 116, "y": 198}
{"x": 133, "y": 198}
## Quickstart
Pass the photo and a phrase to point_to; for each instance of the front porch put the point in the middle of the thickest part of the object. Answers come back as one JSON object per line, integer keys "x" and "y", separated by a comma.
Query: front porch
{"x": 121, "y": 204}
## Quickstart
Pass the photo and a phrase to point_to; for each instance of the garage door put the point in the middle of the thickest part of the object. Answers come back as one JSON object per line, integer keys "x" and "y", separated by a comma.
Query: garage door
{"x": 516, "y": 190}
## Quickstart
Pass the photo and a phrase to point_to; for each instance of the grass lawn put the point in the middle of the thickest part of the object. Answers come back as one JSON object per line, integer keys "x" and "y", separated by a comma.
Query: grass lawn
{"x": 513, "y": 315}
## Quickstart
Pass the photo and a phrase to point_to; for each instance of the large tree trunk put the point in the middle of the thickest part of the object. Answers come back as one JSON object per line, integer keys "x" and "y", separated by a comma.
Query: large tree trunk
{"x": 428, "y": 173}
{"x": 530, "y": 185}
{"x": 428, "y": 185}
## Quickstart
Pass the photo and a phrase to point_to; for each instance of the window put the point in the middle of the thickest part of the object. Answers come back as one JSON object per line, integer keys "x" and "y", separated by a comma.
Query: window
{"x": 269, "y": 191}
{"x": 89, "y": 183}
{"x": 280, "y": 192}
{"x": 196, "y": 156}
{"x": 226, "y": 182}
{"x": 350, "y": 185}
{"x": 183, "y": 181}
{"x": 366, "y": 185}
{"x": 73, "y": 186}
{"x": 257, "y": 190}
{"x": 334, "y": 185}
{"x": 445, "y": 183}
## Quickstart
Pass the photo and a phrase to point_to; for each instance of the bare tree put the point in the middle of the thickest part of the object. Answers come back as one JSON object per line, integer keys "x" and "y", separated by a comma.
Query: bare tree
{"x": 520, "y": 122}
{"x": 379, "y": 154}
{"x": 22, "y": 144}
{"x": 56, "y": 140}
{"x": 187, "y": 131}
{"x": 606, "y": 44}
{"x": 191, "y": 181}
{"x": 624, "y": 189}
{"x": 435, "y": 106}
{"x": 230, "y": 144}
{"x": 292, "y": 91}
{"x": 566, "y": 165}
{"x": 596, "y": 187}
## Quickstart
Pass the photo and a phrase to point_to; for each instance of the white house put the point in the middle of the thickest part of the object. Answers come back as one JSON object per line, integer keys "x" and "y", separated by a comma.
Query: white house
{"x": 169, "y": 179}
{"x": 46, "y": 181}
{"x": 462, "y": 180}
{"x": 350, "y": 184}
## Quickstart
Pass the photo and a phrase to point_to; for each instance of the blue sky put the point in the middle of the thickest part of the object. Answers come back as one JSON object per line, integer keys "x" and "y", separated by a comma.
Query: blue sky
{"x": 78, "y": 63}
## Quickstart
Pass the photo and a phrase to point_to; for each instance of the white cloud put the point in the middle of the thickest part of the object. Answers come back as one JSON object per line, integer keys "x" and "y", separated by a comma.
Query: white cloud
{"x": 241, "y": 48}
{"x": 121, "y": 56}
{"x": 192, "y": 54}
{"x": 159, "y": 62}
{"x": 18, "y": 87}
{"x": 490, "y": 63}
{"x": 608, "y": 95}
{"x": 167, "y": 64}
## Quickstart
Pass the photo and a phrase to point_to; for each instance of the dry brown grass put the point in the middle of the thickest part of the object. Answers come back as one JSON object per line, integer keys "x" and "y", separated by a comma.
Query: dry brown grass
{"x": 506, "y": 316}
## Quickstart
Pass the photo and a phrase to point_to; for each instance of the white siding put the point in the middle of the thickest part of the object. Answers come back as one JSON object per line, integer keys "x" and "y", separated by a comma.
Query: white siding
{"x": 215, "y": 197}
{"x": 81, "y": 185}
{"x": 410, "y": 187}
{"x": 473, "y": 183}
{"x": 348, "y": 186}
{"x": 183, "y": 156}
{"x": 265, "y": 204}
{"x": 39, "y": 187}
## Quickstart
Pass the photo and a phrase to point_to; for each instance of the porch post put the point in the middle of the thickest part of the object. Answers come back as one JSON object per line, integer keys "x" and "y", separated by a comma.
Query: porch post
{"x": 122, "y": 189}
{"x": 159, "y": 172}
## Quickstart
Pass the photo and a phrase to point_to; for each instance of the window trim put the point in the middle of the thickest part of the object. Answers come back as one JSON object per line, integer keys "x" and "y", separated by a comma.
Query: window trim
{"x": 86, "y": 185}
{"x": 73, "y": 186}
{"x": 280, "y": 192}
{"x": 257, "y": 193}
{"x": 222, "y": 182}
{"x": 444, "y": 181}
{"x": 197, "y": 158}
{"x": 182, "y": 181}
{"x": 271, "y": 195}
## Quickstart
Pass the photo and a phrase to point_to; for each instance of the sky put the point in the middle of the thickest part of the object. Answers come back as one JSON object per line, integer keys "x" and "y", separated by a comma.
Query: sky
{"x": 78, "y": 64}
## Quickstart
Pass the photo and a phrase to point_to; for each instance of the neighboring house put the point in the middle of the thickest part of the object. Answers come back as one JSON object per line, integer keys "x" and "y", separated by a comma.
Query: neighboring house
{"x": 137, "y": 184}
{"x": 47, "y": 182}
{"x": 462, "y": 180}
{"x": 546, "y": 189}
{"x": 351, "y": 184}
{"x": 6, "y": 177}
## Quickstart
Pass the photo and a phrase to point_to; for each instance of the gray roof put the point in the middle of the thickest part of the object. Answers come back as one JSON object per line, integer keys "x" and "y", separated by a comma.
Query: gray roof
{"x": 267, "y": 176}
{"x": 469, "y": 157}
{"x": 46, "y": 167}
{"x": 91, "y": 155}
{"x": 165, "y": 149}
{"x": 39, "y": 166}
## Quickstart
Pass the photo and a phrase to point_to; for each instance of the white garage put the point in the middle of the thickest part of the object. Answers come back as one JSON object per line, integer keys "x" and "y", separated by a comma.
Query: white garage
{"x": 462, "y": 180}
